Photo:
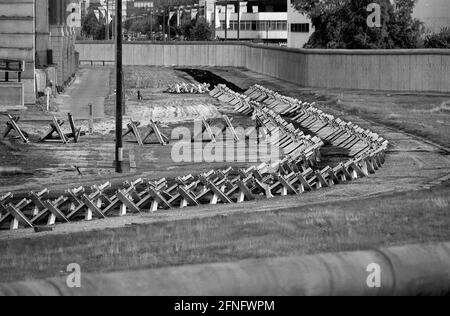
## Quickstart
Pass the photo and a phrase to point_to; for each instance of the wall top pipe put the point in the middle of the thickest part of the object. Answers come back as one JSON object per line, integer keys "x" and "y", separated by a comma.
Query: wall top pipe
{"x": 406, "y": 270}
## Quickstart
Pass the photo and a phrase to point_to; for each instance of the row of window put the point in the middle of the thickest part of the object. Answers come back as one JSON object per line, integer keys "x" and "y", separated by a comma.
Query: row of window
{"x": 300, "y": 27}
{"x": 257, "y": 25}
{"x": 267, "y": 26}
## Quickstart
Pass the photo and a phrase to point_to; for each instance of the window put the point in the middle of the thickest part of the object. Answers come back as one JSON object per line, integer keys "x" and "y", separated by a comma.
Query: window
{"x": 260, "y": 25}
{"x": 300, "y": 27}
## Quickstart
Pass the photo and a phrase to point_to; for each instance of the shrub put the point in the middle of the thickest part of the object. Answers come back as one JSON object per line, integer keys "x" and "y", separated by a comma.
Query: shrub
{"x": 438, "y": 40}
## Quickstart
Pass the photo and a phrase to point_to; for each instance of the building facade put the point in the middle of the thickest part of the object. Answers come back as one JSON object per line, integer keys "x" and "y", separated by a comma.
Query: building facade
{"x": 262, "y": 20}
{"x": 299, "y": 27}
{"x": 35, "y": 32}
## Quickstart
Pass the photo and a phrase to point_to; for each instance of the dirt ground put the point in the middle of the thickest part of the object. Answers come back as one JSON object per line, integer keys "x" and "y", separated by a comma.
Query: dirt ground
{"x": 360, "y": 224}
{"x": 412, "y": 163}
{"x": 53, "y": 164}
{"x": 404, "y": 202}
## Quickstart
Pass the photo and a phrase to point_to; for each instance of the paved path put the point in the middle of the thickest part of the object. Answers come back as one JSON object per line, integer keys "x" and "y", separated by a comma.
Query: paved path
{"x": 91, "y": 86}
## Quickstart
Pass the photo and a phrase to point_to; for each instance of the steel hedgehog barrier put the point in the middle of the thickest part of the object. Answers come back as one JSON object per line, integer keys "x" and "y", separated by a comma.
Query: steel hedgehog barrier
{"x": 295, "y": 173}
{"x": 366, "y": 149}
{"x": 188, "y": 88}
{"x": 407, "y": 270}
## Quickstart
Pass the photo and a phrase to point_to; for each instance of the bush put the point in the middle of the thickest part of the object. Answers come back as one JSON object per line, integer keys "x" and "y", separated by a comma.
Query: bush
{"x": 438, "y": 40}
{"x": 343, "y": 24}
{"x": 201, "y": 31}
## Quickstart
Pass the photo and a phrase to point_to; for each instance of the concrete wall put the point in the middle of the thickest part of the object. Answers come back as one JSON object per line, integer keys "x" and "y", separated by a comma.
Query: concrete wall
{"x": 398, "y": 70}
{"x": 42, "y": 32}
{"x": 26, "y": 34}
{"x": 11, "y": 95}
{"x": 63, "y": 47}
{"x": 181, "y": 54}
{"x": 391, "y": 70}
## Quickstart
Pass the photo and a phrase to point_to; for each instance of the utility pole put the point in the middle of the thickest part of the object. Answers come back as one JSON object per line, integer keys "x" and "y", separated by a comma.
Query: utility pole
{"x": 119, "y": 87}
{"x": 168, "y": 23}
{"x": 151, "y": 25}
{"x": 215, "y": 18}
{"x": 164, "y": 23}
{"x": 168, "y": 26}
{"x": 107, "y": 21}
{"x": 239, "y": 21}
{"x": 226, "y": 19}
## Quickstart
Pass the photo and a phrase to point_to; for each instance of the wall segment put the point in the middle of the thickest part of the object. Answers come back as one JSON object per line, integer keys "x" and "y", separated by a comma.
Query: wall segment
{"x": 416, "y": 70}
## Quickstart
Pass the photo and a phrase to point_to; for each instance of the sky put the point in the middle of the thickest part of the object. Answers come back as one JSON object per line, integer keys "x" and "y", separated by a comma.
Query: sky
{"x": 435, "y": 13}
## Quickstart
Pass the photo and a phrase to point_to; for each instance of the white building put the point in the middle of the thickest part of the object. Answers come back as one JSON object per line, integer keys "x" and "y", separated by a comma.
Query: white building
{"x": 278, "y": 21}
{"x": 300, "y": 27}
{"x": 264, "y": 20}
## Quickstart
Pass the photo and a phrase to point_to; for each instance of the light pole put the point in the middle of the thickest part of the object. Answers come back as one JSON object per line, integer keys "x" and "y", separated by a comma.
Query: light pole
{"x": 107, "y": 21}
{"x": 151, "y": 20}
{"x": 226, "y": 19}
{"x": 215, "y": 19}
{"x": 239, "y": 21}
{"x": 164, "y": 24}
{"x": 119, "y": 87}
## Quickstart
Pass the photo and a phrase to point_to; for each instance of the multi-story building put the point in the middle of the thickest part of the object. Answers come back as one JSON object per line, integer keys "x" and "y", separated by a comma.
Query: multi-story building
{"x": 137, "y": 7}
{"x": 300, "y": 27}
{"x": 264, "y": 20}
{"x": 35, "y": 33}
{"x": 112, "y": 7}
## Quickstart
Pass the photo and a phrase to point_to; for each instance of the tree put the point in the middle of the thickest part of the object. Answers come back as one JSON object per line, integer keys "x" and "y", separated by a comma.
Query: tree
{"x": 201, "y": 30}
{"x": 186, "y": 30}
{"x": 94, "y": 28}
{"x": 438, "y": 40}
{"x": 343, "y": 24}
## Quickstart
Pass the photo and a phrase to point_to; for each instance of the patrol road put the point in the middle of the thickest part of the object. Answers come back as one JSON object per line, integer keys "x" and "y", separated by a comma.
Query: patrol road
{"x": 91, "y": 86}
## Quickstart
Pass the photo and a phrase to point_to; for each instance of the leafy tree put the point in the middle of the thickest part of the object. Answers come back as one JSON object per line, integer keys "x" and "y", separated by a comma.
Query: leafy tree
{"x": 93, "y": 28}
{"x": 201, "y": 31}
{"x": 186, "y": 29}
{"x": 404, "y": 30}
{"x": 142, "y": 25}
{"x": 343, "y": 24}
{"x": 438, "y": 40}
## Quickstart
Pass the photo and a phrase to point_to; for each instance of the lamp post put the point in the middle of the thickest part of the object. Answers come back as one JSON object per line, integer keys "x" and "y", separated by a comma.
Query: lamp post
{"x": 107, "y": 21}
{"x": 164, "y": 24}
{"x": 239, "y": 21}
{"x": 226, "y": 19}
{"x": 119, "y": 87}
{"x": 151, "y": 20}
{"x": 215, "y": 18}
